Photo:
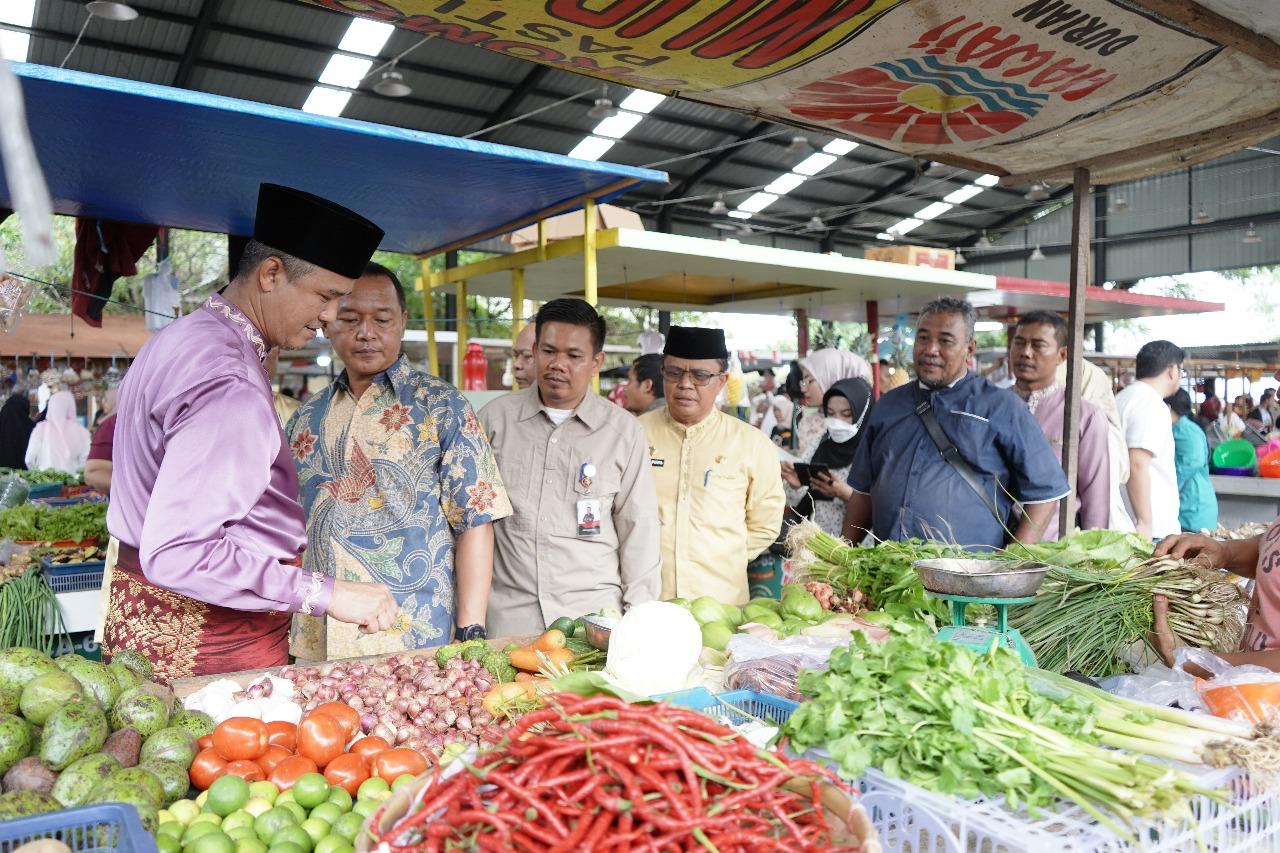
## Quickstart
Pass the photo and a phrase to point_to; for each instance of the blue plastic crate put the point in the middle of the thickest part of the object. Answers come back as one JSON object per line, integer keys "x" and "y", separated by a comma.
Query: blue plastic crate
{"x": 737, "y": 706}
{"x": 88, "y": 829}
{"x": 73, "y": 577}
{"x": 46, "y": 490}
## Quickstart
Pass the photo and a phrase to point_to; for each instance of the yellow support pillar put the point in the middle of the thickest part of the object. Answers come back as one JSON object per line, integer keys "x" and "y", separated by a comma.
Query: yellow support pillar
{"x": 460, "y": 350}
{"x": 589, "y": 264}
{"x": 517, "y": 303}
{"x": 428, "y": 312}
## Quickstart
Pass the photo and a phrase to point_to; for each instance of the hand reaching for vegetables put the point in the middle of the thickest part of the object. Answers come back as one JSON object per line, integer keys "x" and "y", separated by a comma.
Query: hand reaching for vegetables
{"x": 369, "y": 605}
{"x": 1185, "y": 546}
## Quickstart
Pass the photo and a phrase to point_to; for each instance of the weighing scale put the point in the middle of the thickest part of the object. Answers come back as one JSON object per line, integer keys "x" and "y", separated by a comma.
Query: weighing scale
{"x": 997, "y": 583}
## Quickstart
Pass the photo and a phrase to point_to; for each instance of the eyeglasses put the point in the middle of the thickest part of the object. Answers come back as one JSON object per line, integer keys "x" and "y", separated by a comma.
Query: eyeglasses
{"x": 700, "y": 378}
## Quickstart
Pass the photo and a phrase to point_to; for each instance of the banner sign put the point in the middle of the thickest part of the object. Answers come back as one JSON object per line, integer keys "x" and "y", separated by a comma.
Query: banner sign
{"x": 1016, "y": 85}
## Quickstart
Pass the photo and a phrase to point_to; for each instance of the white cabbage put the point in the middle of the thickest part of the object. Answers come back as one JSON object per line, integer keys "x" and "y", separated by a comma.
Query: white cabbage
{"x": 654, "y": 649}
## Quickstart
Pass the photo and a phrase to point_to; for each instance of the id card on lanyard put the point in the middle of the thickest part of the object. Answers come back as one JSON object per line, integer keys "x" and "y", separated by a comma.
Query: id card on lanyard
{"x": 587, "y": 508}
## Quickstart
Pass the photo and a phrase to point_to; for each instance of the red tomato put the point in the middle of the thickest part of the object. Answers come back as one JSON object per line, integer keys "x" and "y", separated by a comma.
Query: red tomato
{"x": 347, "y": 717}
{"x": 273, "y": 756}
{"x": 288, "y": 771}
{"x": 283, "y": 734}
{"x": 347, "y": 771}
{"x": 249, "y": 771}
{"x": 205, "y": 742}
{"x": 206, "y": 767}
{"x": 321, "y": 738}
{"x": 394, "y": 763}
{"x": 240, "y": 738}
{"x": 368, "y": 747}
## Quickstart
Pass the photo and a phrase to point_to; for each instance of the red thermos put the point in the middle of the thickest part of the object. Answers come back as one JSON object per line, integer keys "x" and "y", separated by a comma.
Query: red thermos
{"x": 475, "y": 369}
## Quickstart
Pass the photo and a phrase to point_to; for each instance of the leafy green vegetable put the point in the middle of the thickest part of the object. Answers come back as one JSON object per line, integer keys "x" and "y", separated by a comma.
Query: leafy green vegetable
{"x": 1093, "y": 547}
{"x": 35, "y": 522}
{"x": 44, "y": 476}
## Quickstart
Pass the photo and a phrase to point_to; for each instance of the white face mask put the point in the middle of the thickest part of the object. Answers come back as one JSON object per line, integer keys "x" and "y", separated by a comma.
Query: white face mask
{"x": 839, "y": 430}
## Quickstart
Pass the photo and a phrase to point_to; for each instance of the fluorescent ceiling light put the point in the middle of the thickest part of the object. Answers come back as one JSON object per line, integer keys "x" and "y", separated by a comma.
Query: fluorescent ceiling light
{"x": 839, "y": 147}
{"x": 933, "y": 211}
{"x": 739, "y": 214}
{"x": 757, "y": 202}
{"x": 14, "y": 46}
{"x": 641, "y": 101}
{"x": 20, "y": 12}
{"x": 591, "y": 148}
{"x": 345, "y": 71}
{"x": 617, "y": 126}
{"x": 785, "y": 183}
{"x": 988, "y": 326}
{"x": 326, "y": 102}
{"x": 905, "y": 225}
{"x": 987, "y": 180}
{"x": 886, "y": 236}
{"x": 813, "y": 164}
{"x": 366, "y": 37}
{"x": 963, "y": 194}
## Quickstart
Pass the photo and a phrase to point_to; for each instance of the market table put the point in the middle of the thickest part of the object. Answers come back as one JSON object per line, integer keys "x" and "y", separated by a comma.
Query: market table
{"x": 1245, "y": 499}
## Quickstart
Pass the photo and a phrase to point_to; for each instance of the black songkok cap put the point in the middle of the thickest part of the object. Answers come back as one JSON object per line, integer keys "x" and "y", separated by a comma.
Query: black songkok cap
{"x": 694, "y": 343}
{"x": 315, "y": 230}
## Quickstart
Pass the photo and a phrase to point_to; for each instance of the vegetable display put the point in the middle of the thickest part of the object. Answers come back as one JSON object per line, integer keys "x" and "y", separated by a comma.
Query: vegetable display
{"x": 584, "y": 773}
{"x": 939, "y": 716}
{"x": 1084, "y": 616}
{"x": 38, "y": 523}
{"x": 29, "y": 612}
{"x": 44, "y": 476}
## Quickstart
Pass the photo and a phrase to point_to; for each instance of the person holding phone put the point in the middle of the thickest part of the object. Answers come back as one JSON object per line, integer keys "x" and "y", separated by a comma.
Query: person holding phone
{"x": 817, "y": 487}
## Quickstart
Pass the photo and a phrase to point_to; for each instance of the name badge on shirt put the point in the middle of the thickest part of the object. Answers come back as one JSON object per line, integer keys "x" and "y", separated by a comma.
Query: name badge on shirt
{"x": 657, "y": 463}
{"x": 589, "y": 517}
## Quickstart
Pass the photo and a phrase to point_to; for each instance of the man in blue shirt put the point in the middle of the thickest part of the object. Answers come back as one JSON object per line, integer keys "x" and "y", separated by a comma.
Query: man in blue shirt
{"x": 902, "y": 485}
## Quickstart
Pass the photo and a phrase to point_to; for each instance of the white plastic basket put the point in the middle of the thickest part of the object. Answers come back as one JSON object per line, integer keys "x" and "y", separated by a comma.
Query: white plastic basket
{"x": 913, "y": 820}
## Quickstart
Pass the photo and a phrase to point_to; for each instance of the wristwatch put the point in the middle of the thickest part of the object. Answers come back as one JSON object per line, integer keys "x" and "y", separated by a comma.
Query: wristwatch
{"x": 470, "y": 632}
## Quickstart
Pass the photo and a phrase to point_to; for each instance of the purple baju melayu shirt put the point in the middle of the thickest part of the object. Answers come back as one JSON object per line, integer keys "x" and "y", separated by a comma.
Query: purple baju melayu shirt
{"x": 1093, "y": 471}
{"x": 202, "y": 484}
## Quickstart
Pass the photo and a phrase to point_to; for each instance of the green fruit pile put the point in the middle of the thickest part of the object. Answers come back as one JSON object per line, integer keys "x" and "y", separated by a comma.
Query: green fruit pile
{"x": 235, "y": 816}
{"x": 797, "y": 610}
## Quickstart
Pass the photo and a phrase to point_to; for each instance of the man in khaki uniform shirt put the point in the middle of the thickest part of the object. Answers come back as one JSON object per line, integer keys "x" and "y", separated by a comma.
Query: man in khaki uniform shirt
{"x": 720, "y": 497}
{"x": 584, "y": 534}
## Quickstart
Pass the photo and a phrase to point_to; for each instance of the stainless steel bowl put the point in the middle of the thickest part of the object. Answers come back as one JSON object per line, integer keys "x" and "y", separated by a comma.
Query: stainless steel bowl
{"x": 981, "y": 578}
{"x": 598, "y": 629}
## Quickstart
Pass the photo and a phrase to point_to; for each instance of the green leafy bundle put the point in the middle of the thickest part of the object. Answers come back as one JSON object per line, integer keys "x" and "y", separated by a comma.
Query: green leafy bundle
{"x": 37, "y": 523}
{"x": 1086, "y": 547}
{"x": 939, "y": 716}
{"x": 883, "y": 573}
{"x": 44, "y": 476}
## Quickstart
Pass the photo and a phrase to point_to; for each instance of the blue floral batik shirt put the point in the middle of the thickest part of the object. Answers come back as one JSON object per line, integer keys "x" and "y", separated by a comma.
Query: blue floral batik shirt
{"x": 387, "y": 481}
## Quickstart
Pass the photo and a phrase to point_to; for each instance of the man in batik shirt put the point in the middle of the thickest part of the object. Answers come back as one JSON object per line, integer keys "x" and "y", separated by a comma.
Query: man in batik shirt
{"x": 398, "y": 483}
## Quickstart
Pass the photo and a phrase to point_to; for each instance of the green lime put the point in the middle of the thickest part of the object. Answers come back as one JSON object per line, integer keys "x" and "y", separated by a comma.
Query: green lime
{"x": 206, "y": 817}
{"x": 310, "y": 790}
{"x": 293, "y": 835}
{"x": 348, "y": 826}
{"x": 298, "y": 812}
{"x": 340, "y": 798}
{"x": 267, "y": 824}
{"x": 327, "y": 812}
{"x": 214, "y": 842}
{"x": 285, "y": 847}
{"x": 285, "y": 797}
{"x": 168, "y": 844}
{"x": 196, "y": 830}
{"x": 371, "y": 788}
{"x": 250, "y": 845}
{"x": 333, "y": 844}
{"x": 365, "y": 808}
{"x": 201, "y": 798}
{"x": 316, "y": 828}
{"x": 172, "y": 828}
{"x": 184, "y": 811}
{"x": 241, "y": 833}
{"x": 228, "y": 794}
{"x": 236, "y": 819}
{"x": 402, "y": 780}
{"x": 257, "y": 805}
{"x": 266, "y": 790}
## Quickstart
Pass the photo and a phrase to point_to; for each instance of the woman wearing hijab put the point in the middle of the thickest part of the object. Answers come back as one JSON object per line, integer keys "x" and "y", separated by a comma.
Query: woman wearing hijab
{"x": 844, "y": 410}
{"x": 59, "y": 442}
{"x": 819, "y": 372}
{"x": 15, "y": 430}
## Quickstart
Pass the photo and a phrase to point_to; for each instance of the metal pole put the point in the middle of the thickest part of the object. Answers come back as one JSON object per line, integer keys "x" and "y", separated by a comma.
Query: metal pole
{"x": 429, "y": 315}
{"x": 589, "y": 264}
{"x": 1080, "y": 222}
{"x": 873, "y": 329}
{"x": 517, "y": 303}
{"x": 802, "y": 333}
{"x": 460, "y": 348}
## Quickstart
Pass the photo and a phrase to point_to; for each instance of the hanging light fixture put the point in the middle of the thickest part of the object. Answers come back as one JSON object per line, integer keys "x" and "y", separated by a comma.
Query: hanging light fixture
{"x": 1202, "y": 217}
{"x": 392, "y": 84}
{"x": 745, "y": 230}
{"x": 603, "y": 107}
{"x": 1251, "y": 235}
{"x": 982, "y": 242}
{"x": 718, "y": 207}
{"x": 1036, "y": 254}
{"x": 815, "y": 223}
{"x": 799, "y": 145}
{"x": 110, "y": 11}
{"x": 1037, "y": 192}
{"x": 934, "y": 169}
{"x": 961, "y": 260}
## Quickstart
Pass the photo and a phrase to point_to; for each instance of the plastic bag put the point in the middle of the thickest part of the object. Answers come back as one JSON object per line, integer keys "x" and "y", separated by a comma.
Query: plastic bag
{"x": 1247, "y": 693}
{"x": 13, "y": 491}
{"x": 775, "y": 675}
{"x": 1159, "y": 685}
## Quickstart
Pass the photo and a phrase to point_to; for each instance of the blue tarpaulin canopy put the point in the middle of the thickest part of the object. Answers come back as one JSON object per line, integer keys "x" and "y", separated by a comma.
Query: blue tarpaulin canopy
{"x": 135, "y": 152}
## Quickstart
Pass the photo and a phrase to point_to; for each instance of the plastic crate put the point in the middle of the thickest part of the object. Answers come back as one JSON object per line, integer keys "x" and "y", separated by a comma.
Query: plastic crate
{"x": 738, "y": 706}
{"x": 46, "y": 490}
{"x": 109, "y": 826}
{"x": 73, "y": 577}
{"x": 73, "y": 500}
